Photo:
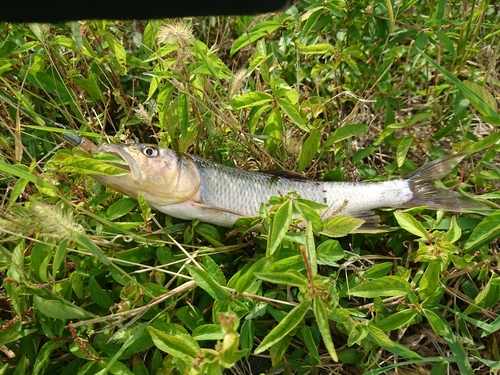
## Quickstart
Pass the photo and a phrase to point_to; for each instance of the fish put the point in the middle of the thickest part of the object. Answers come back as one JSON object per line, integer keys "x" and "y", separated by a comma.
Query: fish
{"x": 188, "y": 187}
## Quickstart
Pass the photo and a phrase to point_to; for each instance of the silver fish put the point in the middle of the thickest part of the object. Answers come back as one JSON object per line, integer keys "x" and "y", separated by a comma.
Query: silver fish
{"x": 188, "y": 187}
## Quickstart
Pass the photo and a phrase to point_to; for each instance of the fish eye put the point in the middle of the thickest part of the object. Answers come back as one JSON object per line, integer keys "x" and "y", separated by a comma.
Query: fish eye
{"x": 150, "y": 151}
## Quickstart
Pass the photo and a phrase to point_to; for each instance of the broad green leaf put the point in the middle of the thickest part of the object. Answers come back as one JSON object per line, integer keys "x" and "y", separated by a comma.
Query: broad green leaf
{"x": 435, "y": 321}
{"x": 99, "y": 295}
{"x": 379, "y": 336}
{"x": 378, "y": 270}
{"x": 262, "y": 29}
{"x": 309, "y": 149}
{"x": 357, "y": 333}
{"x": 487, "y": 231}
{"x": 58, "y": 310}
{"x": 430, "y": 280}
{"x": 309, "y": 214}
{"x": 291, "y": 277}
{"x": 447, "y": 43}
{"x": 248, "y": 278}
{"x": 384, "y": 287}
{"x": 208, "y": 332}
{"x": 279, "y": 227}
{"x": 454, "y": 233}
{"x": 347, "y": 131}
{"x": 410, "y": 224}
{"x": 85, "y": 165}
{"x": 21, "y": 172}
{"x": 179, "y": 345}
{"x": 251, "y": 99}
{"x": 310, "y": 345}
{"x": 288, "y": 324}
{"x": 118, "y": 50}
{"x": 206, "y": 282}
{"x": 329, "y": 252}
{"x": 401, "y": 319}
{"x": 294, "y": 115}
{"x": 320, "y": 313}
{"x": 340, "y": 226}
{"x": 487, "y": 142}
{"x": 403, "y": 147}
{"x": 120, "y": 208}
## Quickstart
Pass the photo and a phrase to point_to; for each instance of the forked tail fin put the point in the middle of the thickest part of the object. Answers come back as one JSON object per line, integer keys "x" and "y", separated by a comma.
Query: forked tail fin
{"x": 426, "y": 194}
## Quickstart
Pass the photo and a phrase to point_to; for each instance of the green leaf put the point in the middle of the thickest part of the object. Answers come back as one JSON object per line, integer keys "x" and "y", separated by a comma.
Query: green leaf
{"x": 294, "y": 115}
{"x": 178, "y": 345}
{"x": 262, "y": 29}
{"x": 120, "y": 208}
{"x": 207, "y": 283}
{"x": 119, "y": 51}
{"x": 357, "y": 333}
{"x": 58, "y": 310}
{"x": 329, "y": 252}
{"x": 454, "y": 233}
{"x": 340, "y": 226}
{"x": 484, "y": 95}
{"x": 86, "y": 165}
{"x": 410, "y": 224}
{"x": 208, "y": 332}
{"x": 251, "y": 99}
{"x": 288, "y": 324}
{"x": 85, "y": 242}
{"x": 310, "y": 214}
{"x": 309, "y": 149}
{"x": 476, "y": 101}
{"x": 456, "y": 347}
{"x": 347, "y": 131}
{"x": 435, "y": 321}
{"x": 99, "y": 295}
{"x": 43, "y": 356}
{"x": 21, "y": 172}
{"x": 320, "y": 313}
{"x": 403, "y": 147}
{"x": 280, "y": 223}
{"x": 291, "y": 277}
{"x": 487, "y": 231}
{"x": 486, "y": 142}
{"x": 401, "y": 319}
{"x": 310, "y": 345}
{"x": 318, "y": 49}
{"x": 430, "y": 280}
{"x": 311, "y": 250}
{"x": 384, "y": 287}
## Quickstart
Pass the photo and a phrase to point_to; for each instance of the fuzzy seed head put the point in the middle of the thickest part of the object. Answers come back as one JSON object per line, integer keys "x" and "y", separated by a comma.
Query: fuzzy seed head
{"x": 142, "y": 114}
{"x": 239, "y": 77}
{"x": 53, "y": 220}
{"x": 176, "y": 32}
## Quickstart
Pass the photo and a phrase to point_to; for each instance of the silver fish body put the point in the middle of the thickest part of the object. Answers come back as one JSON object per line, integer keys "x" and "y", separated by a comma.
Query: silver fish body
{"x": 189, "y": 187}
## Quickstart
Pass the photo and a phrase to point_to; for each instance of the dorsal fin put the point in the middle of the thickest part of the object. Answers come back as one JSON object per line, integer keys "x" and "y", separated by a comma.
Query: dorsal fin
{"x": 286, "y": 174}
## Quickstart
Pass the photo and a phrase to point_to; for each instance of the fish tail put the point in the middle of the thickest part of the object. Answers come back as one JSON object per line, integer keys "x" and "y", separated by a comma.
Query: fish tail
{"x": 426, "y": 194}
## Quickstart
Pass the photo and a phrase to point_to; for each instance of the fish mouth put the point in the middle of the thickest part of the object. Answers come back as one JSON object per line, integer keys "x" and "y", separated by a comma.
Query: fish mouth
{"x": 121, "y": 152}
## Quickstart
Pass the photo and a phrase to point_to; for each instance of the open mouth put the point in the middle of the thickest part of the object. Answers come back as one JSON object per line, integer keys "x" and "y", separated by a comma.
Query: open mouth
{"x": 121, "y": 152}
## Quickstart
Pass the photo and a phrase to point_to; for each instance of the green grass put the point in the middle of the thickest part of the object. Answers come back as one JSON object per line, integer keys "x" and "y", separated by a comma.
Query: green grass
{"x": 96, "y": 283}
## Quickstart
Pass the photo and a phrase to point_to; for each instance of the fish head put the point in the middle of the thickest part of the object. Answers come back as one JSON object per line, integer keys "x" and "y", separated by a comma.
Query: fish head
{"x": 163, "y": 176}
